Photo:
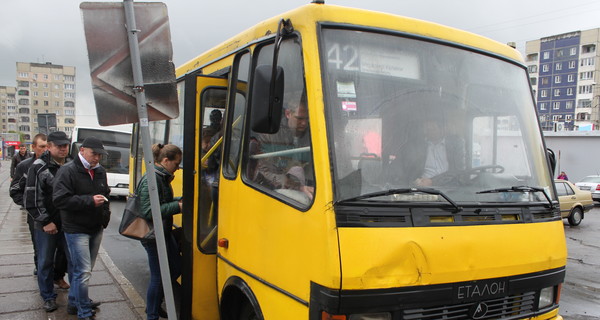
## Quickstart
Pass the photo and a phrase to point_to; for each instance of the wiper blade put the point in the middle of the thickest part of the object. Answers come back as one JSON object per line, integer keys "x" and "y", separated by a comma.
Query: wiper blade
{"x": 520, "y": 189}
{"x": 390, "y": 192}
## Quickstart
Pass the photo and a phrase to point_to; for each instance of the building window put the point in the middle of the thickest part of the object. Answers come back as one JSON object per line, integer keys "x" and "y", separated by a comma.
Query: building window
{"x": 587, "y": 62}
{"x": 69, "y": 78}
{"x": 56, "y": 103}
{"x": 585, "y": 89}
{"x": 588, "y": 75}
{"x": 34, "y": 76}
{"x": 69, "y": 112}
{"x": 543, "y": 93}
{"x": 69, "y": 86}
{"x": 588, "y": 48}
{"x": 570, "y": 78}
{"x": 532, "y": 57}
{"x": 45, "y": 85}
{"x": 568, "y": 117}
{"x": 56, "y": 86}
{"x": 558, "y": 66}
{"x": 556, "y": 105}
{"x": 69, "y": 104}
{"x": 23, "y": 102}
{"x": 556, "y": 79}
{"x": 45, "y": 77}
{"x": 547, "y": 55}
{"x": 584, "y": 103}
{"x": 35, "y": 85}
{"x": 23, "y": 84}
{"x": 545, "y": 80}
{"x": 45, "y": 103}
{"x": 545, "y": 68}
{"x": 69, "y": 95}
{"x": 573, "y": 51}
{"x": 542, "y": 106}
{"x": 45, "y": 93}
{"x": 533, "y": 81}
{"x": 559, "y": 53}
{"x": 35, "y": 102}
{"x": 533, "y": 69}
{"x": 556, "y": 117}
{"x": 569, "y": 104}
{"x": 569, "y": 91}
{"x": 23, "y": 75}
{"x": 556, "y": 92}
{"x": 57, "y": 77}
{"x": 572, "y": 64}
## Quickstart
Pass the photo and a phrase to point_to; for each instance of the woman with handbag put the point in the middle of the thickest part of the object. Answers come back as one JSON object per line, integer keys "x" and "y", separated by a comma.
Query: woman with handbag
{"x": 166, "y": 161}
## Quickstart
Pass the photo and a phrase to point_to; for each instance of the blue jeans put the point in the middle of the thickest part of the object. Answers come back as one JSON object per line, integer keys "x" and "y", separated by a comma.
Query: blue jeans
{"x": 155, "y": 293}
{"x": 83, "y": 250}
{"x": 47, "y": 246}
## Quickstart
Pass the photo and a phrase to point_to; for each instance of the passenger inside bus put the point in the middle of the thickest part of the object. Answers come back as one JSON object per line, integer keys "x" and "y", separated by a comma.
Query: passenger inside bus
{"x": 285, "y": 164}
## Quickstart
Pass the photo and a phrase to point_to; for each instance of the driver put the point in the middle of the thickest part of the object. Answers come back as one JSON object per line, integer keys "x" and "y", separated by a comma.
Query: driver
{"x": 439, "y": 153}
{"x": 430, "y": 155}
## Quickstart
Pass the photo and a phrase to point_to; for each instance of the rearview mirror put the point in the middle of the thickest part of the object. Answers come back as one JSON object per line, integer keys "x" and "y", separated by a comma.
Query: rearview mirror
{"x": 266, "y": 111}
{"x": 551, "y": 160}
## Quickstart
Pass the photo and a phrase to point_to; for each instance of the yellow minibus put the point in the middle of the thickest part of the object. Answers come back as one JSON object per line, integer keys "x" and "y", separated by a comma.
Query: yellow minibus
{"x": 367, "y": 167}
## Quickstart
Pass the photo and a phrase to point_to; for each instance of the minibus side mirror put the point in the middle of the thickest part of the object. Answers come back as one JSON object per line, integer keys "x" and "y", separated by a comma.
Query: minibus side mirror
{"x": 551, "y": 160}
{"x": 266, "y": 111}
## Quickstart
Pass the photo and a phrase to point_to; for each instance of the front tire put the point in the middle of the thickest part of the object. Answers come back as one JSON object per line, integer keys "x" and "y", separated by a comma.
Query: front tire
{"x": 575, "y": 217}
{"x": 248, "y": 313}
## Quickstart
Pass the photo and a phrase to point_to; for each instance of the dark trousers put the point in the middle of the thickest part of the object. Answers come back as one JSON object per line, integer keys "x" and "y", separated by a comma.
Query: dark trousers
{"x": 32, "y": 233}
{"x": 155, "y": 293}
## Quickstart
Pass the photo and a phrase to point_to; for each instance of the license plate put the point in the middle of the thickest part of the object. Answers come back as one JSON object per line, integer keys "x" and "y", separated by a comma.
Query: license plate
{"x": 584, "y": 188}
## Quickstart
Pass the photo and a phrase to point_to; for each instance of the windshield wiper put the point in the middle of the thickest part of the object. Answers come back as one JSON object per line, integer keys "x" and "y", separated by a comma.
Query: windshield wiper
{"x": 403, "y": 191}
{"x": 520, "y": 189}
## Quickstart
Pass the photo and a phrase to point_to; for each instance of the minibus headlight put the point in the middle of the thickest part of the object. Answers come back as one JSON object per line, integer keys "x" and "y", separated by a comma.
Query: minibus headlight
{"x": 371, "y": 316}
{"x": 546, "y": 297}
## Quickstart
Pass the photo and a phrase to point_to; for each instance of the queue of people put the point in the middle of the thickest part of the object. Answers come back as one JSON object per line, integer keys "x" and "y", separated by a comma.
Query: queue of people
{"x": 67, "y": 206}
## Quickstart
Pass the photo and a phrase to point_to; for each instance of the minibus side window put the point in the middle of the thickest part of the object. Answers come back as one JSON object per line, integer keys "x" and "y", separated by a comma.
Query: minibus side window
{"x": 235, "y": 117}
{"x": 280, "y": 164}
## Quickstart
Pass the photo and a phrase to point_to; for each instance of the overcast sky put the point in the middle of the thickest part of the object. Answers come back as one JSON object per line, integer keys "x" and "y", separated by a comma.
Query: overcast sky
{"x": 52, "y": 31}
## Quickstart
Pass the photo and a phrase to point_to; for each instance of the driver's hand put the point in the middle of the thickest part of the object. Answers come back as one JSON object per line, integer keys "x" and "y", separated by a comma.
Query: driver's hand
{"x": 423, "y": 182}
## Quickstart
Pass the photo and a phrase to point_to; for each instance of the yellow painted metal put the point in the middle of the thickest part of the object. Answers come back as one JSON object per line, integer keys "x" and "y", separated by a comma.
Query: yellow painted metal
{"x": 288, "y": 248}
{"x": 393, "y": 257}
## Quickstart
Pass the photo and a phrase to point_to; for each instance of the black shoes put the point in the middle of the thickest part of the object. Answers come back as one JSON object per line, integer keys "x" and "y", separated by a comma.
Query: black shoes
{"x": 73, "y": 309}
{"x": 162, "y": 313}
{"x": 50, "y": 305}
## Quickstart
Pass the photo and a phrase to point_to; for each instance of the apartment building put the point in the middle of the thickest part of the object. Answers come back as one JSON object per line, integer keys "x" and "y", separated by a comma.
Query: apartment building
{"x": 42, "y": 89}
{"x": 564, "y": 71}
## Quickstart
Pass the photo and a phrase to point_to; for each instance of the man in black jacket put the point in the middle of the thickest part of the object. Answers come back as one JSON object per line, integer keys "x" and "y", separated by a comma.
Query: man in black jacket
{"x": 38, "y": 202}
{"x": 17, "y": 188}
{"x": 80, "y": 192}
{"x": 17, "y": 158}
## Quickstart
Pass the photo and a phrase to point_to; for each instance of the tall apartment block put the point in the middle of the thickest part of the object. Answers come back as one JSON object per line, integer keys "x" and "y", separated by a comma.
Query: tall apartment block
{"x": 564, "y": 74}
{"x": 42, "y": 88}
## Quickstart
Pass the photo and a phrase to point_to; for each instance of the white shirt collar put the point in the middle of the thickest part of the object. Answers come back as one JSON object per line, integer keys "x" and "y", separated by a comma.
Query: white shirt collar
{"x": 85, "y": 163}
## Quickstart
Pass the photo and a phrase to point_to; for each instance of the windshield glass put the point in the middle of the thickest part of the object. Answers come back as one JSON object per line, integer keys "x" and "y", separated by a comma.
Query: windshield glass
{"x": 591, "y": 179}
{"x": 408, "y": 113}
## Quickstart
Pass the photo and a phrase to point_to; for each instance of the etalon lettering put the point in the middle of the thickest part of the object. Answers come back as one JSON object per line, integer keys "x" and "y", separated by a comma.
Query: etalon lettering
{"x": 481, "y": 290}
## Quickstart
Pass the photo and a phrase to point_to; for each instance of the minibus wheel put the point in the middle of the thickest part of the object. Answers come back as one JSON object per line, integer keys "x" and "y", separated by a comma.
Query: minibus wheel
{"x": 247, "y": 312}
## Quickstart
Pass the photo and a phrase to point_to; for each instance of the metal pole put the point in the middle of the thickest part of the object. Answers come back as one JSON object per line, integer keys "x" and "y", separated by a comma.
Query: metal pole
{"x": 138, "y": 83}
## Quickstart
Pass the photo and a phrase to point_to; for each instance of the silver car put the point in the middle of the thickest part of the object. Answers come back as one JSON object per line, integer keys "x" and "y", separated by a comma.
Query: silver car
{"x": 592, "y": 184}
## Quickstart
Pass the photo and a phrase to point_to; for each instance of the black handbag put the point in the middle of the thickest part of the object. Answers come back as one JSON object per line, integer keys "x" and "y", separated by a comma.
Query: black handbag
{"x": 133, "y": 225}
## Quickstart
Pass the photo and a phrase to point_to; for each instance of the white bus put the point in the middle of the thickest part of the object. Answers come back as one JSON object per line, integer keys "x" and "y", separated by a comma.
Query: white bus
{"x": 116, "y": 162}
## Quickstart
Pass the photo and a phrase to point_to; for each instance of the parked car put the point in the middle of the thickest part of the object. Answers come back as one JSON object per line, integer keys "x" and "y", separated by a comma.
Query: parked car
{"x": 592, "y": 184}
{"x": 573, "y": 201}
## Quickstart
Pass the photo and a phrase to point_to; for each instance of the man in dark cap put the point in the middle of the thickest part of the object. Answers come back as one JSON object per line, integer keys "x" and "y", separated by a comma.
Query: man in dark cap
{"x": 49, "y": 237}
{"x": 80, "y": 193}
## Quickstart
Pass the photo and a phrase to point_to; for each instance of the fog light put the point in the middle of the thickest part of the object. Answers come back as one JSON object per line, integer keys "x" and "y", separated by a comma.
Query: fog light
{"x": 546, "y": 297}
{"x": 371, "y": 316}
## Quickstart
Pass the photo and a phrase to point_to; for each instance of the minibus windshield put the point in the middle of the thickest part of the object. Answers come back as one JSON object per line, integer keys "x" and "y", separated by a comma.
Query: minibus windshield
{"x": 410, "y": 113}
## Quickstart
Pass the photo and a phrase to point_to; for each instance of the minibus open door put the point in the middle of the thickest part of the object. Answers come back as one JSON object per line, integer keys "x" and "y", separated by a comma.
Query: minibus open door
{"x": 203, "y": 95}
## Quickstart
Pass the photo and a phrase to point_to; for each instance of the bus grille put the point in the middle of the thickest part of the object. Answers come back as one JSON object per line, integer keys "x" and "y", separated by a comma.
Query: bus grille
{"x": 512, "y": 307}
